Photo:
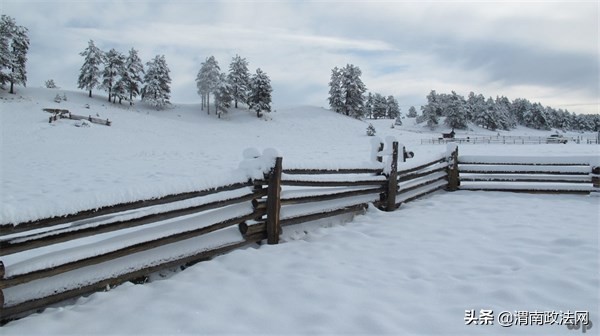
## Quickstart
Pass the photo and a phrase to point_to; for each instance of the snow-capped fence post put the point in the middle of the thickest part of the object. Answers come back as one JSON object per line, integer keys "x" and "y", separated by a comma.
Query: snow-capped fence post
{"x": 392, "y": 187}
{"x": 453, "y": 174}
{"x": 595, "y": 180}
{"x": 2, "y": 272}
{"x": 274, "y": 202}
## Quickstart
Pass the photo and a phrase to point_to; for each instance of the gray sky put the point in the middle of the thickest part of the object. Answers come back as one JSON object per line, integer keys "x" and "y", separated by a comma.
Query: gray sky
{"x": 540, "y": 50}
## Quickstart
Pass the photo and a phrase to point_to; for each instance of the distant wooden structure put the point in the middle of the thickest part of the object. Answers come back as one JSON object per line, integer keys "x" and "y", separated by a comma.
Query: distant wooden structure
{"x": 65, "y": 114}
{"x": 448, "y": 135}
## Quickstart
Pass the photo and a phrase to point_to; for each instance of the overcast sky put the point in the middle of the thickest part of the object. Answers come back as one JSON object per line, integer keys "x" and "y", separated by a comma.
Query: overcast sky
{"x": 547, "y": 52}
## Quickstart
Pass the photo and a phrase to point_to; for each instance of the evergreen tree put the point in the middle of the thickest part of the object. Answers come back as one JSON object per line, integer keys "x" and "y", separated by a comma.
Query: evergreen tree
{"x": 536, "y": 117}
{"x": 336, "y": 100}
{"x": 207, "y": 80}
{"x": 475, "y": 107}
{"x": 89, "y": 77}
{"x": 393, "y": 109}
{"x": 431, "y": 111}
{"x": 412, "y": 112}
{"x": 223, "y": 96}
{"x": 379, "y": 106}
{"x": 260, "y": 93}
{"x": 353, "y": 90}
{"x": 456, "y": 112}
{"x": 238, "y": 79}
{"x": 14, "y": 45}
{"x": 113, "y": 67}
{"x": 519, "y": 108}
{"x": 369, "y": 106}
{"x": 157, "y": 91}
{"x": 506, "y": 119}
{"x": 131, "y": 76}
{"x": 487, "y": 117}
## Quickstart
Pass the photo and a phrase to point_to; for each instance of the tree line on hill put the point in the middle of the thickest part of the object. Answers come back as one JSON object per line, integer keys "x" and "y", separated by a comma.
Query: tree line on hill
{"x": 14, "y": 45}
{"x": 501, "y": 113}
{"x": 347, "y": 96}
{"x": 124, "y": 77}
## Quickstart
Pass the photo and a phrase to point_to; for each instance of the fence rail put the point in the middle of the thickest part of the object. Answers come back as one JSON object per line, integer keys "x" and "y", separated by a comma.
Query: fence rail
{"x": 50, "y": 260}
{"x": 508, "y": 140}
{"x": 529, "y": 174}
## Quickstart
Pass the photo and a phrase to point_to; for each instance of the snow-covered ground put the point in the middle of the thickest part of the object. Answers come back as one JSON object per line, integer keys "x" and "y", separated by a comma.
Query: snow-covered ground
{"x": 413, "y": 271}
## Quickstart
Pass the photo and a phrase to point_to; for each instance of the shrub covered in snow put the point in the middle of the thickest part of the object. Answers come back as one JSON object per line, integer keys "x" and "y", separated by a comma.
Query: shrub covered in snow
{"x": 371, "y": 130}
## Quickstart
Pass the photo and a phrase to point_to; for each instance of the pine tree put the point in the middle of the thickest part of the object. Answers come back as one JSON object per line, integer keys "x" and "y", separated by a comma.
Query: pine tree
{"x": 412, "y": 112}
{"x": 369, "y": 106}
{"x": 89, "y": 77}
{"x": 259, "y": 98}
{"x": 379, "y": 106}
{"x": 431, "y": 111}
{"x": 238, "y": 79}
{"x": 336, "y": 101}
{"x": 456, "y": 113}
{"x": 506, "y": 119}
{"x": 113, "y": 67}
{"x": 353, "y": 91}
{"x": 393, "y": 109}
{"x": 475, "y": 107}
{"x": 536, "y": 117}
{"x": 223, "y": 96}
{"x": 157, "y": 83}
{"x": 131, "y": 76}
{"x": 14, "y": 45}
{"x": 207, "y": 80}
{"x": 519, "y": 108}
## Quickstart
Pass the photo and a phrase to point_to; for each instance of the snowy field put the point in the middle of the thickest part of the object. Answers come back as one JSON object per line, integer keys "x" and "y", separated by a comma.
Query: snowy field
{"x": 413, "y": 271}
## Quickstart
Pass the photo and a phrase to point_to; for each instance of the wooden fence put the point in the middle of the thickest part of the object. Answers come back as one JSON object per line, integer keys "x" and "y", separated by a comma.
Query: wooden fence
{"x": 509, "y": 140}
{"x": 51, "y": 260}
{"x": 65, "y": 114}
{"x": 529, "y": 174}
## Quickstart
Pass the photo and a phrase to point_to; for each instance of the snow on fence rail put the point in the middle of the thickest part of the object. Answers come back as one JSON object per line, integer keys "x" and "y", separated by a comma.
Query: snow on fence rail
{"x": 50, "y": 260}
{"x": 508, "y": 140}
{"x": 567, "y": 174}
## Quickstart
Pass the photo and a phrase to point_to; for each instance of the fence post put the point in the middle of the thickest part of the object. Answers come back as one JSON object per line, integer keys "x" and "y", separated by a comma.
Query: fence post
{"x": 380, "y": 157}
{"x": 274, "y": 203}
{"x": 392, "y": 187}
{"x": 596, "y": 180}
{"x": 453, "y": 174}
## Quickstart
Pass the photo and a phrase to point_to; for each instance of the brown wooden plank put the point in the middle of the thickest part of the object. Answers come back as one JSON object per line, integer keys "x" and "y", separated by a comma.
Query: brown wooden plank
{"x": 531, "y": 191}
{"x": 425, "y": 165}
{"x": 131, "y": 249}
{"x": 10, "y": 312}
{"x": 464, "y": 169}
{"x": 18, "y": 245}
{"x": 453, "y": 172}
{"x": 508, "y": 179}
{"x": 421, "y": 195}
{"x": 324, "y": 214}
{"x": 248, "y": 230}
{"x": 333, "y": 183}
{"x": 110, "y": 209}
{"x": 298, "y": 171}
{"x": 274, "y": 203}
{"x": 520, "y": 164}
{"x": 392, "y": 179}
{"x": 331, "y": 196}
{"x": 422, "y": 184}
{"x": 413, "y": 176}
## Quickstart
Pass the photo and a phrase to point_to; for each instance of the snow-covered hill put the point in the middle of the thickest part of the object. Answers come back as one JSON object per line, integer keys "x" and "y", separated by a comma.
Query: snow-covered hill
{"x": 50, "y": 169}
